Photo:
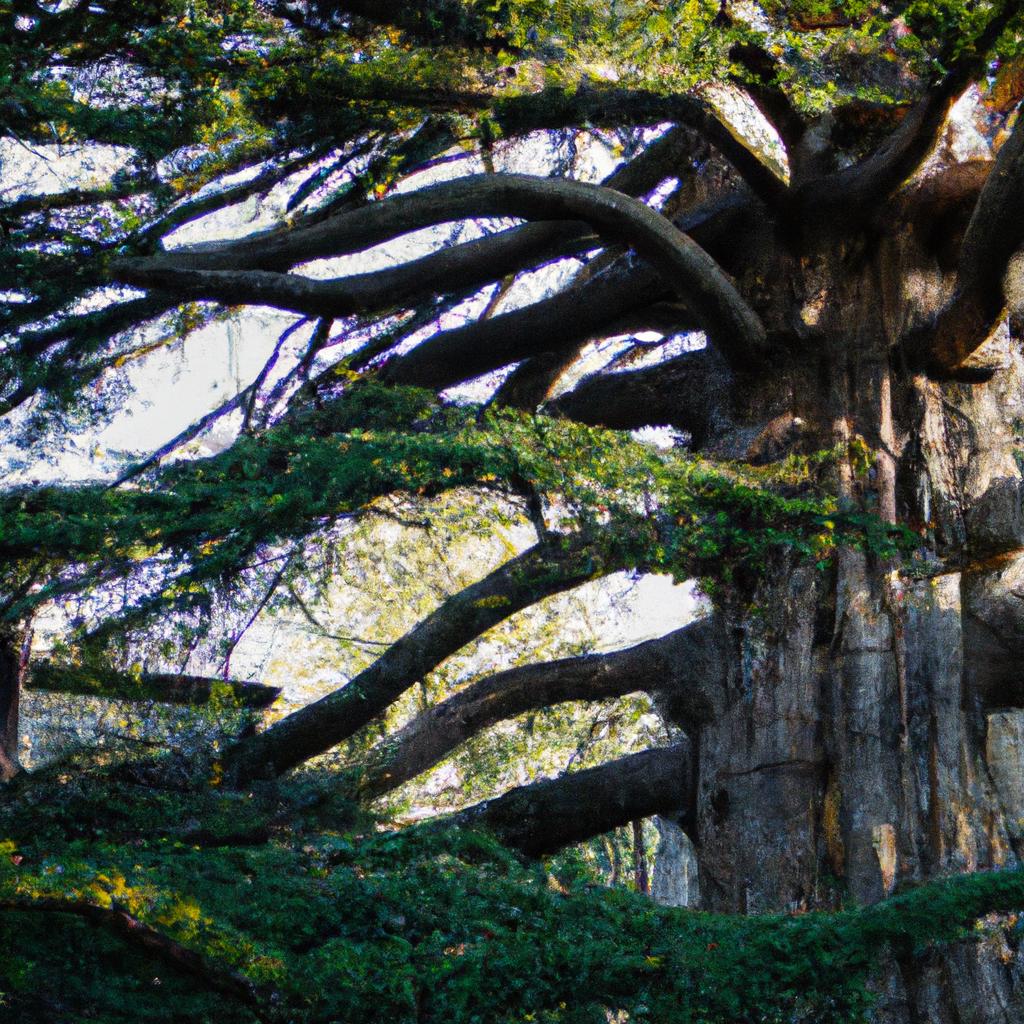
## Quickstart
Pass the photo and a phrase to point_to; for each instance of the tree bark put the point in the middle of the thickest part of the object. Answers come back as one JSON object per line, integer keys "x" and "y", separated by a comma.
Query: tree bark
{"x": 546, "y": 816}
{"x": 871, "y": 734}
{"x": 13, "y": 661}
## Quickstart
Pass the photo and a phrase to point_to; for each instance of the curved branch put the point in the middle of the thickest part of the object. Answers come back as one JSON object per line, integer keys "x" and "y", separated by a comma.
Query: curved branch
{"x": 685, "y": 266}
{"x": 994, "y": 234}
{"x": 589, "y": 104}
{"x": 690, "y": 392}
{"x": 549, "y": 567}
{"x": 853, "y": 190}
{"x": 610, "y": 106}
{"x": 544, "y": 817}
{"x": 672, "y": 663}
{"x": 467, "y": 265}
{"x": 460, "y": 267}
{"x": 622, "y": 299}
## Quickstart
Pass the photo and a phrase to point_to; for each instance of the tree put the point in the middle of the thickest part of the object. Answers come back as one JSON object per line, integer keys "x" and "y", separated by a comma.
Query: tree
{"x": 856, "y": 287}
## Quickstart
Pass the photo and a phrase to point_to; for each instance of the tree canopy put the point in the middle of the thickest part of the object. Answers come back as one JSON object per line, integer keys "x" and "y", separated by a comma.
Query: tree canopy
{"x": 770, "y": 257}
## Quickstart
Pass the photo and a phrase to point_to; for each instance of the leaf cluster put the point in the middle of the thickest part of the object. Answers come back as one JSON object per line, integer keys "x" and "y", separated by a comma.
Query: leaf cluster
{"x": 193, "y": 526}
{"x": 332, "y": 919}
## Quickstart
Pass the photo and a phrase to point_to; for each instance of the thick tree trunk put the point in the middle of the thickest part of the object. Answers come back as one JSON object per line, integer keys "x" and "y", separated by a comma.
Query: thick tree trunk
{"x": 873, "y": 733}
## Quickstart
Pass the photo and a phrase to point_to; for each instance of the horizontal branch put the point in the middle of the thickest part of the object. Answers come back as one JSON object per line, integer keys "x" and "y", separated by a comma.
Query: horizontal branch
{"x": 162, "y": 687}
{"x": 690, "y": 392}
{"x": 621, "y": 300}
{"x": 567, "y": 318}
{"x": 590, "y": 104}
{"x": 456, "y": 268}
{"x": 546, "y": 816}
{"x": 670, "y": 664}
{"x": 549, "y": 567}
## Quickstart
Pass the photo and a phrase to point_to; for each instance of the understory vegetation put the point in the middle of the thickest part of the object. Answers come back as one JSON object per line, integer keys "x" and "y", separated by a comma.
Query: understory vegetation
{"x": 124, "y": 902}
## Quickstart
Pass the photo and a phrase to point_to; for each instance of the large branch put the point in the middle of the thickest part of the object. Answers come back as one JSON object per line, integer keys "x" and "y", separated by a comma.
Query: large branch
{"x": 549, "y": 567}
{"x": 994, "y": 234}
{"x": 621, "y": 300}
{"x": 588, "y": 105}
{"x": 544, "y": 817}
{"x": 858, "y": 189}
{"x": 469, "y": 197}
{"x": 684, "y": 265}
{"x": 611, "y": 106}
{"x": 457, "y": 268}
{"x": 162, "y": 687}
{"x": 690, "y": 392}
{"x": 672, "y": 664}
{"x": 568, "y": 318}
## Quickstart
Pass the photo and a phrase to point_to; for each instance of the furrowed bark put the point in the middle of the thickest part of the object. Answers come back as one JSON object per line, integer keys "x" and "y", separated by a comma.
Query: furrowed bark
{"x": 546, "y": 816}
{"x": 165, "y": 688}
{"x": 669, "y": 663}
{"x": 549, "y": 567}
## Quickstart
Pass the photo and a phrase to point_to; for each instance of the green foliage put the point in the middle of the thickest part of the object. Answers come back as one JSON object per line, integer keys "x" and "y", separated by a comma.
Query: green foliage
{"x": 335, "y": 920}
{"x": 198, "y": 522}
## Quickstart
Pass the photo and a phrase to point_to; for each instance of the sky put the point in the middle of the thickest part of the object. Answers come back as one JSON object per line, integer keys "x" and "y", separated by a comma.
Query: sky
{"x": 176, "y": 385}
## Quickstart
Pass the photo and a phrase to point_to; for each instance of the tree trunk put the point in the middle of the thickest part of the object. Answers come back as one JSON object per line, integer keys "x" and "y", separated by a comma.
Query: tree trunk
{"x": 14, "y": 644}
{"x": 872, "y": 734}
{"x": 640, "y": 874}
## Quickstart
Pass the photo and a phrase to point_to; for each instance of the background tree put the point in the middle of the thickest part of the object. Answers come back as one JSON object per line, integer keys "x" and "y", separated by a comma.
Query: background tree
{"x": 792, "y": 203}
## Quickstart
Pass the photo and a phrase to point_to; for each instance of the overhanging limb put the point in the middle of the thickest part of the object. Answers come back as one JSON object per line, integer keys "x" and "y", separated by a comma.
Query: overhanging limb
{"x": 546, "y": 816}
